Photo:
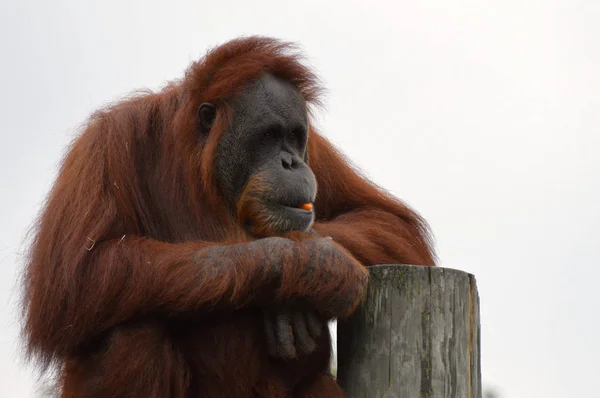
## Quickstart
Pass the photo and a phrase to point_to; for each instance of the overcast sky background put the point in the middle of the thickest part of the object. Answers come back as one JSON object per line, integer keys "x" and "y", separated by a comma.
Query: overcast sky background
{"x": 483, "y": 115}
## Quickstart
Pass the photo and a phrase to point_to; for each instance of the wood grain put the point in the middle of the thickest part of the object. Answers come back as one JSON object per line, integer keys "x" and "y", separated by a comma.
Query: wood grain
{"x": 416, "y": 335}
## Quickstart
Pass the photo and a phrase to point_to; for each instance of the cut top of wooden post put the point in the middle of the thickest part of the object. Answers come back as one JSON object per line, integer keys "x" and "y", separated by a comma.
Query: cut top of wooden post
{"x": 416, "y": 335}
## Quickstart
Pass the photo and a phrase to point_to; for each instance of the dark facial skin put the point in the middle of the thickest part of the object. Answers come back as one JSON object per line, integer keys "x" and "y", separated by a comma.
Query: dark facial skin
{"x": 263, "y": 152}
{"x": 261, "y": 163}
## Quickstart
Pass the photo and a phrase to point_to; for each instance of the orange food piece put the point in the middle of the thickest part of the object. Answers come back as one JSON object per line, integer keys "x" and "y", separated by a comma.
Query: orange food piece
{"x": 307, "y": 206}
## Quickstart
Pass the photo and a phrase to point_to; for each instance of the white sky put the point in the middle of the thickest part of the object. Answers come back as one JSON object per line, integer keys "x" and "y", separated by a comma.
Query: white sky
{"x": 484, "y": 115}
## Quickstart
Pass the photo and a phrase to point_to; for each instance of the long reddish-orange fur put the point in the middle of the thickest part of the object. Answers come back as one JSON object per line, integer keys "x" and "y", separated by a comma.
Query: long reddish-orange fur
{"x": 140, "y": 280}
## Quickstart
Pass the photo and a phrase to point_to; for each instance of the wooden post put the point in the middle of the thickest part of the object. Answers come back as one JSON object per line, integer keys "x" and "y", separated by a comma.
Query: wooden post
{"x": 415, "y": 336}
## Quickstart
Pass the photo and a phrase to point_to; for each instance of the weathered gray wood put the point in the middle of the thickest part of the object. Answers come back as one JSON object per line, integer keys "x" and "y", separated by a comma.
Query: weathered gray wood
{"x": 415, "y": 336}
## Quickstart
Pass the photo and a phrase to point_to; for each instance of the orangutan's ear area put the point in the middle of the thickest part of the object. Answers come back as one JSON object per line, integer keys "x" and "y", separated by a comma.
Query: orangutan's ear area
{"x": 206, "y": 116}
{"x": 197, "y": 240}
